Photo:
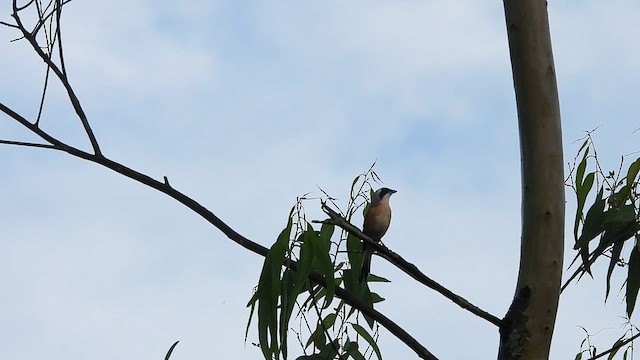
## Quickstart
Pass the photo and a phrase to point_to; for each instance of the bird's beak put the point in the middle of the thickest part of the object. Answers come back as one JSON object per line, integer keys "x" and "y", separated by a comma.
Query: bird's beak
{"x": 393, "y": 191}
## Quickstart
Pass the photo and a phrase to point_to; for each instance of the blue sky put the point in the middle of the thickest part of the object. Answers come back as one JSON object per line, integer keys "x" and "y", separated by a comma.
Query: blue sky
{"x": 245, "y": 106}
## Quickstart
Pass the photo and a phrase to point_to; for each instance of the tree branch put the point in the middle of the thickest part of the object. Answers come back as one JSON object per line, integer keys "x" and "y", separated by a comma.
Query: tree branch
{"x": 62, "y": 76}
{"x": 28, "y": 144}
{"x": 409, "y": 268}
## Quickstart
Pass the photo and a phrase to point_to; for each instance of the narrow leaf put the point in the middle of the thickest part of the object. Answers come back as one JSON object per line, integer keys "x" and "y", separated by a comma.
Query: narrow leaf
{"x": 171, "y": 350}
{"x": 583, "y": 145}
{"x": 326, "y": 268}
{"x": 593, "y": 222}
{"x": 368, "y": 338}
{"x": 615, "y": 257}
{"x": 351, "y": 350}
{"x": 633, "y": 172}
{"x": 582, "y": 191}
{"x": 593, "y": 226}
{"x": 615, "y": 348}
{"x": 268, "y": 292}
{"x": 633, "y": 280}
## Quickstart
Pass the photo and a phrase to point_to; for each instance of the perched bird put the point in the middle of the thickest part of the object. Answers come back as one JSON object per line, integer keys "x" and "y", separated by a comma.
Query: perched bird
{"x": 376, "y": 223}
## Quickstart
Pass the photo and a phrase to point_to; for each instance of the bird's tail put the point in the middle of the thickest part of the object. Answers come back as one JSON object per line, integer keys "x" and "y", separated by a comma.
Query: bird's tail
{"x": 366, "y": 261}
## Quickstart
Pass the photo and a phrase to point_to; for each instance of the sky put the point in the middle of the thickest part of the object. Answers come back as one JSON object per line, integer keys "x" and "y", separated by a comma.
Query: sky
{"x": 245, "y": 106}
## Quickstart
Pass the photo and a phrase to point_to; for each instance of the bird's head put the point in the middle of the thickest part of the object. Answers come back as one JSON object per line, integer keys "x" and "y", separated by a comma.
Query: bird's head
{"x": 381, "y": 194}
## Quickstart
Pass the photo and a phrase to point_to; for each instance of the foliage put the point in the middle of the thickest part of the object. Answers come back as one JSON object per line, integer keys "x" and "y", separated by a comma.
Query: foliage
{"x": 612, "y": 217}
{"x": 331, "y": 327}
{"x": 623, "y": 342}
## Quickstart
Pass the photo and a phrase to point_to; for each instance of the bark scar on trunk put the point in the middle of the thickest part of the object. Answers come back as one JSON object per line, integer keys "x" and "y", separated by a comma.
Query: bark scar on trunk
{"x": 513, "y": 332}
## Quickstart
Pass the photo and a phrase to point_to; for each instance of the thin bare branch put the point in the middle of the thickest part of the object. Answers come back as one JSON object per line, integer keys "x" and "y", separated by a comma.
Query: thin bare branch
{"x": 29, "y": 144}
{"x": 63, "y": 79}
{"x": 44, "y": 94}
{"x": 9, "y": 25}
{"x": 59, "y": 36}
{"x": 34, "y": 128}
{"x": 20, "y": 8}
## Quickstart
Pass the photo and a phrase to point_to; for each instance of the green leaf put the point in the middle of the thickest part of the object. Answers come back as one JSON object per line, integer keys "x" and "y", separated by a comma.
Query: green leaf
{"x": 355, "y": 181}
{"x": 171, "y": 350}
{"x": 326, "y": 232}
{"x": 329, "y": 351}
{"x": 351, "y": 350}
{"x": 376, "y": 278}
{"x": 618, "y": 199}
{"x": 317, "y": 338}
{"x": 615, "y": 257}
{"x": 616, "y": 346}
{"x": 633, "y": 280}
{"x": 582, "y": 191}
{"x": 375, "y": 298}
{"x": 252, "y": 304}
{"x": 288, "y": 297}
{"x": 329, "y": 320}
{"x": 268, "y": 292}
{"x": 581, "y": 168}
{"x": 368, "y": 338}
{"x": 322, "y": 246}
{"x": 593, "y": 222}
{"x": 620, "y": 225}
{"x": 593, "y": 226}
{"x": 578, "y": 356}
{"x": 583, "y": 145}
{"x": 623, "y": 214}
{"x": 633, "y": 172}
{"x": 295, "y": 282}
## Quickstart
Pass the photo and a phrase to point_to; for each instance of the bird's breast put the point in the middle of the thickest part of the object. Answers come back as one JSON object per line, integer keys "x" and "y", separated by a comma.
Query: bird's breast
{"x": 376, "y": 222}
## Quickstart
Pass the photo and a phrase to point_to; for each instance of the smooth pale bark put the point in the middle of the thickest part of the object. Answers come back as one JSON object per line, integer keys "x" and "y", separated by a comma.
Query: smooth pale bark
{"x": 528, "y": 326}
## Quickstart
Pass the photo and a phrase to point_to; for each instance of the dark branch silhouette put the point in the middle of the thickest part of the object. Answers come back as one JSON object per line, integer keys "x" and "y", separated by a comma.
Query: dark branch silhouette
{"x": 409, "y": 268}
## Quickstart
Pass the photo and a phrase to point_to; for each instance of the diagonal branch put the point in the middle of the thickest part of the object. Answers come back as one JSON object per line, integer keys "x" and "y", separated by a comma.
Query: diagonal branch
{"x": 409, "y": 268}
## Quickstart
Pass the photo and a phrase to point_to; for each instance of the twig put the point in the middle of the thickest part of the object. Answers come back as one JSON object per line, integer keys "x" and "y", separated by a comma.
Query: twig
{"x": 9, "y": 25}
{"x": 615, "y": 347}
{"x": 28, "y": 144}
{"x": 58, "y": 10}
{"x": 75, "y": 102}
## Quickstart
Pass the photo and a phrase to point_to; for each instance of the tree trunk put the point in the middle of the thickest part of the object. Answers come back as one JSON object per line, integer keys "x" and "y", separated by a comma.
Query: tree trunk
{"x": 528, "y": 326}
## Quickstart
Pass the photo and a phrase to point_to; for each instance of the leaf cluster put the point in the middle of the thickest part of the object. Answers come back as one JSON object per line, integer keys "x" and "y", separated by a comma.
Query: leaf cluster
{"x": 328, "y": 328}
{"x": 612, "y": 218}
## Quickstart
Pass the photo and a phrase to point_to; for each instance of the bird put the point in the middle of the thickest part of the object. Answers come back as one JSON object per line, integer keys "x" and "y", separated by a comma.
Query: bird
{"x": 376, "y": 222}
